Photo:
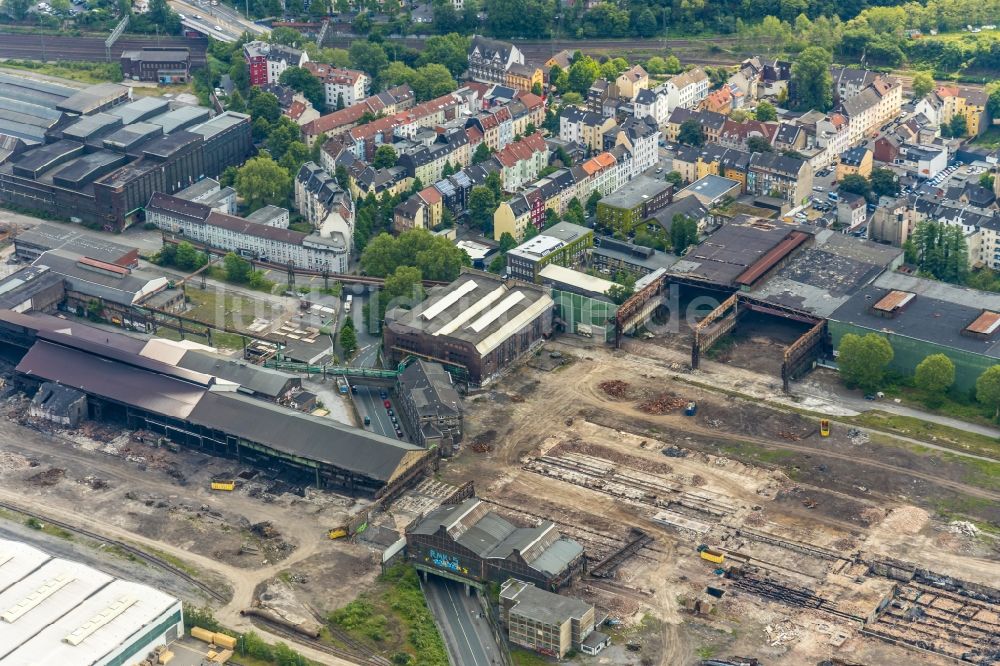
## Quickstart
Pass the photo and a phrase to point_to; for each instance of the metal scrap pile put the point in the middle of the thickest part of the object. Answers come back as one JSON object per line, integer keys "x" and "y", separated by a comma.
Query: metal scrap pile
{"x": 615, "y": 388}
{"x": 663, "y": 403}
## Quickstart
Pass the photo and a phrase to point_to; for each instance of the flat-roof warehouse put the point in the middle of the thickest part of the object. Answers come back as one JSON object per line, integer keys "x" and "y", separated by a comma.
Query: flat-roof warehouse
{"x": 57, "y": 611}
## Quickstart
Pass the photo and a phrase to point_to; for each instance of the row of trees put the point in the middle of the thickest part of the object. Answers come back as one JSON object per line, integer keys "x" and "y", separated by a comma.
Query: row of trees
{"x": 939, "y": 251}
{"x": 864, "y": 360}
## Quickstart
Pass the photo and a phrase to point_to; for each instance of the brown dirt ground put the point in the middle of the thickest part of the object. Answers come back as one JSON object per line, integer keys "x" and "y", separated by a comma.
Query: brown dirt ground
{"x": 772, "y": 467}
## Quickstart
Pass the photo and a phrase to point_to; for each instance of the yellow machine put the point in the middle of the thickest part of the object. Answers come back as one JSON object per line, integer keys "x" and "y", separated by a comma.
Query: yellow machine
{"x": 337, "y": 533}
{"x": 223, "y": 485}
{"x": 824, "y": 427}
{"x": 713, "y": 556}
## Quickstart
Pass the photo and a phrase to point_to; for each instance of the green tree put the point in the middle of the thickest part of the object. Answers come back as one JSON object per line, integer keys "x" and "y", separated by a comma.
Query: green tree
{"x": 863, "y": 360}
{"x": 592, "y": 201}
{"x": 935, "y": 375}
{"x": 683, "y": 233}
{"x": 674, "y": 177}
{"x": 482, "y": 206}
{"x": 385, "y": 157}
{"x": 507, "y": 242}
{"x": 575, "y": 213}
{"x": 286, "y": 36}
{"x": 301, "y": 80}
{"x": 558, "y": 79}
{"x": 855, "y": 184}
{"x": 957, "y": 126}
{"x": 435, "y": 256}
{"x": 986, "y": 181}
{"x": 619, "y": 293}
{"x": 582, "y": 75}
{"x": 188, "y": 258}
{"x": 939, "y": 251}
{"x": 432, "y": 81}
{"x": 17, "y": 9}
{"x": 368, "y": 57}
{"x": 237, "y": 268}
{"x": 280, "y": 135}
{"x": 691, "y": 133}
{"x": 263, "y": 105}
{"x": 988, "y": 389}
{"x": 758, "y": 144}
{"x": 765, "y": 111}
{"x": 885, "y": 183}
{"x": 497, "y": 264}
{"x": 923, "y": 83}
{"x": 449, "y": 50}
{"x": 481, "y": 154}
{"x": 812, "y": 84}
{"x": 262, "y": 181}
{"x": 236, "y": 102}
{"x": 348, "y": 338}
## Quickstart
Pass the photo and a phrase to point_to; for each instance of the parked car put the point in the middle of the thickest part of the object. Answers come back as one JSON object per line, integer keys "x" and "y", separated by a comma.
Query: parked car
{"x": 387, "y": 404}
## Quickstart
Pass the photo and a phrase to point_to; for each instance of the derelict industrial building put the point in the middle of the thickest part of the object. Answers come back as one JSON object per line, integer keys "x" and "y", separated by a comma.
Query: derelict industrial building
{"x": 127, "y": 383}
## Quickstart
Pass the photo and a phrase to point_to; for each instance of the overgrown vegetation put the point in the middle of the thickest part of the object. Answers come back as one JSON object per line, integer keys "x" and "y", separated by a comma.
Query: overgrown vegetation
{"x": 394, "y": 617}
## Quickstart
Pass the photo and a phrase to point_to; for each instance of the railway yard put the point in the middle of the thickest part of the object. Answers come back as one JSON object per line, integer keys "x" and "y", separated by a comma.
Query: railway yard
{"x": 834, "y": 547}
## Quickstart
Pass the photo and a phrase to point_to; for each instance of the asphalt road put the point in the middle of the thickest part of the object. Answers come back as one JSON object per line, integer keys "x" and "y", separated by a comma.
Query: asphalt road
{"x": 53, "y": 47}
{"x": 370, "y": 404}
{"x": 467, "y": 636}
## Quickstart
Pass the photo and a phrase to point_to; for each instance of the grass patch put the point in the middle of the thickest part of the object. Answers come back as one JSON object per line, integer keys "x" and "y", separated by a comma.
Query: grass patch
{"x": 221, "y": 308}
{"x": 48, "y": 528}
{"x": 941, "y": 435}
{"x": 989, "y": 139}
{"x": 522, "y": 657}
{"x": 84, "y": 72}
{"x": 170, "y": 559}
{"x": 394, "y": 618}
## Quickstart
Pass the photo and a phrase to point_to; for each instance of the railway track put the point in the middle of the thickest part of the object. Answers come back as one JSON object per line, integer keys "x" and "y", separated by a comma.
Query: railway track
{"x": 62, "y": 47}
{"x": 358, "y": 654}
{"x": 132, "y": 550}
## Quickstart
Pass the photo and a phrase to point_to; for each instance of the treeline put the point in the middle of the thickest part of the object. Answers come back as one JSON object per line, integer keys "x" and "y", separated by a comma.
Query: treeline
{"x": 884, "y": 36}
{"x": 647, "y": 18}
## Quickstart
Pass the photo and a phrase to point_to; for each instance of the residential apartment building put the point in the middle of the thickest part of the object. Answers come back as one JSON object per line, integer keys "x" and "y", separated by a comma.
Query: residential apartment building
{"x": 342, "y": 87}
{"x": 631, "y": 81}
{"x": 387, "y": 103}
{"x": 833, "y": 136}
{"x": 873, "y": 106}
{"x": 496, "y": 126}
{"x": 788, "y": 178}
{"x": 972, "y": 103}
{"x": 688, "y": 89}
{"x": 267, "y": 61}
{"x": 490, "y": 60}
{"x": 584, "y": 127}
{"x": 641, "y": 136}
{"x": 363, "y": 140}
{"x": 719, "y": 101}
{"x": 712, "y": 124}
{"x": 524, "y": 77}
{"x": 321, "y": 201}
{"x": 543, "y": 621}
{"x": 422, "y": 210}
{"x": 185, "y": 220}
{"x": 427, "y": 161}
{"x": 522, "y": 161}
{"x": 855, "y": 161}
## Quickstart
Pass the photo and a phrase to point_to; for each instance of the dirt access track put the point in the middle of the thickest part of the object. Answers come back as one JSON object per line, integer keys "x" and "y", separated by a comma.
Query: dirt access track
{"x": 760, "y": 484}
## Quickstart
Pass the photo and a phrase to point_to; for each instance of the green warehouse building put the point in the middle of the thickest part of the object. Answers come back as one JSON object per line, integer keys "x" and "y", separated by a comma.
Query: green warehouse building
{"x": 921, "y": 317}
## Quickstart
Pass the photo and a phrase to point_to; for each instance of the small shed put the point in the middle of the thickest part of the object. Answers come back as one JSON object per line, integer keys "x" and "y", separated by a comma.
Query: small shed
{"x": 59, "y": 404}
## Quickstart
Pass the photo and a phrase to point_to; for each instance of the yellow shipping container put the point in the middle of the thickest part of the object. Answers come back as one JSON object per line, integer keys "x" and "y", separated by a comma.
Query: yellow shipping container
{"x": 712, "y": 556}
{"x": 222, "y": 640}
{"x": 202, "y": 634}
{"x": 223, "y": 485}
{"x": 165, "y": 657}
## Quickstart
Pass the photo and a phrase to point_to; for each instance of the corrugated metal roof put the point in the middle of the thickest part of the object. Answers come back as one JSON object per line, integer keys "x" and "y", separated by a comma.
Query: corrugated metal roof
{"x": 893, "y": 301}
{"x": 985, "y": 324}
{"x": 111, "y": 379}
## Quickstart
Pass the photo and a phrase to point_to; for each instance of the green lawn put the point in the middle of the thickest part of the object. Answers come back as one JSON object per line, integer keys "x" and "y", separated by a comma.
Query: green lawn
{"x": 83, "y": 72}
{"x": 988, "y": 139}
{"x": 941, "y": 435}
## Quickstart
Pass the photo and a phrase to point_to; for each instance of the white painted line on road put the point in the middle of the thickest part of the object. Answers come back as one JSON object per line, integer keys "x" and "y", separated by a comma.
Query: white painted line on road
{"x": 451, "y": 598}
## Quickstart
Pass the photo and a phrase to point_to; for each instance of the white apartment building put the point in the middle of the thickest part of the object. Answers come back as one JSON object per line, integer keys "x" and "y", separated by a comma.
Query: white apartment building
{"x": 346, "y": 86}
{"x": 833, "y": 136}
{"x": 201, "y": 225}
{"x": 687, "y": 89}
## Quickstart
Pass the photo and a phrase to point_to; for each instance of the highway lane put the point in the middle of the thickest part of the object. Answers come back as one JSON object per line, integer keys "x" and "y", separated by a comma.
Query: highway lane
{"x": 467, "y": 636}
{"x": 369, "y": 404}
